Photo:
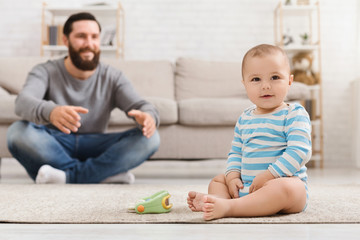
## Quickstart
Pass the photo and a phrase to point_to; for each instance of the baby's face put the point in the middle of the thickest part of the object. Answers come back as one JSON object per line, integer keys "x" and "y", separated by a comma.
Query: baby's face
{"x": 267, "y": 80}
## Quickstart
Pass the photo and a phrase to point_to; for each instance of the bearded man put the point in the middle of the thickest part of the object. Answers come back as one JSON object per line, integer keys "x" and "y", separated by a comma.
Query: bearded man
{"x": 65, "y": 105}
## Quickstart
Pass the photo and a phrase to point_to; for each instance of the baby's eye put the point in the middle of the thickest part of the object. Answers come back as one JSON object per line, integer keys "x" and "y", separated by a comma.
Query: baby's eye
{"x": 275, "y": 77}
{"x": 256, "y": 79}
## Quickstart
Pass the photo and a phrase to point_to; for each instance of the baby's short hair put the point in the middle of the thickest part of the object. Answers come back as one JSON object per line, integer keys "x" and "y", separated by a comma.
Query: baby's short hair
{"x": 263, "y": 50}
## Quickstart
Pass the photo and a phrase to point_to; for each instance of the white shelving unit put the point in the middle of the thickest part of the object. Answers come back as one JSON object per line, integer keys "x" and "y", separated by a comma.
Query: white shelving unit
{"x": 304, "y": 18}
{"x": 105, "y": 14}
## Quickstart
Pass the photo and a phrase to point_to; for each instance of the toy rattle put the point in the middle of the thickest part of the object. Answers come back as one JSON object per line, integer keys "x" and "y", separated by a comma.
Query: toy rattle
{"x": 156, "y": 203}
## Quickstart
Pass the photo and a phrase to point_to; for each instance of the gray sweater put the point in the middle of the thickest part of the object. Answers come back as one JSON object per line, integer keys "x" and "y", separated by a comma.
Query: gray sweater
{"x": 49, "y": 85}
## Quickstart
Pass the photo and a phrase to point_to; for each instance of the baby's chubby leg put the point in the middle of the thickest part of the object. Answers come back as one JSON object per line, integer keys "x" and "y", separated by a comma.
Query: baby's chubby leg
{"x": 286, "y": 195}
{"x": 217, "y": 187}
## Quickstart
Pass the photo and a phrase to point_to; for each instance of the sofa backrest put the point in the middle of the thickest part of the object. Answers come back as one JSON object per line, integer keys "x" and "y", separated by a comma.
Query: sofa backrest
{"x": 14, "y": 70}
{"x": 208, "y": 79}
{"x": 150, "y": 78}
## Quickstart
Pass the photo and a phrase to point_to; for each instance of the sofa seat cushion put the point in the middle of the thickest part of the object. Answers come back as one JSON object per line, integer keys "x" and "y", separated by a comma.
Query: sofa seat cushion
{"x": 212, "y": 111}
{"x": 167, "y": 110}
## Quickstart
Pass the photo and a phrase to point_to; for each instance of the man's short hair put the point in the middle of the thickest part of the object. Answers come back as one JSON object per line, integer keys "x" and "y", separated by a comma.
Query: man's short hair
{"x": 78, "y": 17}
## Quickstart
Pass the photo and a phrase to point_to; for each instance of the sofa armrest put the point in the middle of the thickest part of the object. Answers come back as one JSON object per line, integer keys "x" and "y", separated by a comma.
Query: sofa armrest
{"x": 3, "y": 91}
{"x": 7, "y": 106}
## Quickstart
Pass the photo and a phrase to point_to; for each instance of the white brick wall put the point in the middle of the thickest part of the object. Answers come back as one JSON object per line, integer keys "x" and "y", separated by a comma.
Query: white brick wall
{"x": 340, "y": 50}
{"x": 216, "y": 30}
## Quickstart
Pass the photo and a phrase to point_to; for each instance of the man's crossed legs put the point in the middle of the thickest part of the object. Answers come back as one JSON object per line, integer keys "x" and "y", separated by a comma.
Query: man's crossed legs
{"x": 81, "y": 158}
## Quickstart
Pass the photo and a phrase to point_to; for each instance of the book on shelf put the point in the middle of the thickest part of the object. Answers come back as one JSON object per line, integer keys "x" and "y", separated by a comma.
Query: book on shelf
{"x": 55, "y": 35}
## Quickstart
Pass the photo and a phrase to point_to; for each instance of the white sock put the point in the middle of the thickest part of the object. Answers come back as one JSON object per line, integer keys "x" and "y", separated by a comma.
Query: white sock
{"x": 48, "y": 174}
{"x": 125, "y": 177}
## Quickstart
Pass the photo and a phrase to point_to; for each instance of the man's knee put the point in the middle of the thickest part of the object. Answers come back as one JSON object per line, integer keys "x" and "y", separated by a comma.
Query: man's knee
{"x": 15, "y": 133}
{"x": 153, "y": 143}
{"x": 25, "y": 135}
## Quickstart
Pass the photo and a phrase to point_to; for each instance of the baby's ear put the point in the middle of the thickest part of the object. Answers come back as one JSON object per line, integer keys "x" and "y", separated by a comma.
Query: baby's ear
{"x": 291, "y": 79}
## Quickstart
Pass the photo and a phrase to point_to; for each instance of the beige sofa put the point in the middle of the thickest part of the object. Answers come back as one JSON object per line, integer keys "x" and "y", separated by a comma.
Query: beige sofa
{"x": 199, "y": 102}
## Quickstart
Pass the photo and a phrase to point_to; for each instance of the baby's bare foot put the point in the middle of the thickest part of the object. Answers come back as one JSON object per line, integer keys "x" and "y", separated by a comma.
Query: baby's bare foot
{"x": 194, "y": 201}
{"x": 215, "y": 208}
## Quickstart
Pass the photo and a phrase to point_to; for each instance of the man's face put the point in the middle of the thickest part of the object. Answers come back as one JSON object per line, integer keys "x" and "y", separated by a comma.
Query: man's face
{"x": 84, "y": 44}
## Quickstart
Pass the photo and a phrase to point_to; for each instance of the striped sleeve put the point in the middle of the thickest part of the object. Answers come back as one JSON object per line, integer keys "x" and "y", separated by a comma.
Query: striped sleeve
{"x": 298, "y": 150}
{"x": 235, "y": 154}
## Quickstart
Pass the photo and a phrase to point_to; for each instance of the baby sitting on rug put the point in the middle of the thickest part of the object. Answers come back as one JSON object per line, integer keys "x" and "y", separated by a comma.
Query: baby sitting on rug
{"x": 266, "y": 171}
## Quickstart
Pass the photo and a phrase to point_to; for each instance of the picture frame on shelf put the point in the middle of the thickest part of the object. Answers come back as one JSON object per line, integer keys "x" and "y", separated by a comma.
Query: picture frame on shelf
{"x": 108, "y": 37}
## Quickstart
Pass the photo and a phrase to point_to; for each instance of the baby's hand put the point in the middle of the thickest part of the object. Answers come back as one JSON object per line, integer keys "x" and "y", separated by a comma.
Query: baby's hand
{"x": 260, "y": 180}
{"x": 234, "y": 183}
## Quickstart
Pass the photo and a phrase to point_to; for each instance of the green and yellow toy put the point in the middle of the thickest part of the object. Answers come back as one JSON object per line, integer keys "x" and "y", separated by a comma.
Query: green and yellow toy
{"x": 156, "y": 203}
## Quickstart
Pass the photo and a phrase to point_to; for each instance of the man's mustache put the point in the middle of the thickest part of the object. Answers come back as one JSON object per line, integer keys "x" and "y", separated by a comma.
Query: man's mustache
{"x": 87, "y": 49}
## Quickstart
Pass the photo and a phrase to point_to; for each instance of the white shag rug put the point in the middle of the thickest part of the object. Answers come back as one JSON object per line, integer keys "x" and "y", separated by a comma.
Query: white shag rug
{"x": 107, "y": 203}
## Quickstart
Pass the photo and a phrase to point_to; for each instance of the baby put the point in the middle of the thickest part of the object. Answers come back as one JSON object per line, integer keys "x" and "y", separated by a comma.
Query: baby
{"x": 266, "y": 171}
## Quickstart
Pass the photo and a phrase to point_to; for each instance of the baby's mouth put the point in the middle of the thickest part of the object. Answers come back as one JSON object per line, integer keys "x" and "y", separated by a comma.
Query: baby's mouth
{"x": 266, "y": 96}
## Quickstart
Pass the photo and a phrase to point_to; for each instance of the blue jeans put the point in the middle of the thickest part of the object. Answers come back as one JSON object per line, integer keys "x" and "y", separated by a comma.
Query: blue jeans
{"x": 85, "y": 158}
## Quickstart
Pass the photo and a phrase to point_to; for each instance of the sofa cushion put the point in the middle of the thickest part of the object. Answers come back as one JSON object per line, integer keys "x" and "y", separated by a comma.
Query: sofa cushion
{"x": 212, "y": 111}
{"x": 14, "y": 70}
{"x": 298, "y": 91}
{"x": 3, "y": 92}
{"x": 206, "y": 79}
{"x": 150, "y": 78}
{"x": 167, "y": 110}
{"x": 7, "y": 106}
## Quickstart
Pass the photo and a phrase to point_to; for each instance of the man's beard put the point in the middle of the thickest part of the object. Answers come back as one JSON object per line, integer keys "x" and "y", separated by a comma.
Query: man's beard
{"x": 85, "y": 65}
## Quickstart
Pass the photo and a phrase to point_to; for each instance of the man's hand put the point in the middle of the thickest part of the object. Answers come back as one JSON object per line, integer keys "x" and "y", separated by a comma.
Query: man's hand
{"x": 145, "y": 120}
{"x": 260, "y": 180}
{"x": 234, "y": 183}
{"x": 67, "y": 118}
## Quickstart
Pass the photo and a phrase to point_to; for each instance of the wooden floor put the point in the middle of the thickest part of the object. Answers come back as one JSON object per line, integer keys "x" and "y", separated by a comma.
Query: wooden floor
{"x": 181, "y": 172}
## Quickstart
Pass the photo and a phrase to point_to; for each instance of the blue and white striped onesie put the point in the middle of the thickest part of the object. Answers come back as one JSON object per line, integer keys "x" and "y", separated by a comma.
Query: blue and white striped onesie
{"x": 279, "y": 141}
